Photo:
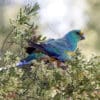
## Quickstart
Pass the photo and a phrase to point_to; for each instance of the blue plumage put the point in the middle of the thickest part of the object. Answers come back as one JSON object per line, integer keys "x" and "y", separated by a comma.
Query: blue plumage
{"x": 55, "y": 48}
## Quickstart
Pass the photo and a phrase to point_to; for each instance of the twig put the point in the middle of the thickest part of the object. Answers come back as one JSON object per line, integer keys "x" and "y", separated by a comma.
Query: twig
{"x": 6, "y": 40}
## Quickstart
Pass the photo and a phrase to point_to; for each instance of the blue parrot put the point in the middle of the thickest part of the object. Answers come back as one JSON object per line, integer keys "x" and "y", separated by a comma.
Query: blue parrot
{"x": 58, "y": 49}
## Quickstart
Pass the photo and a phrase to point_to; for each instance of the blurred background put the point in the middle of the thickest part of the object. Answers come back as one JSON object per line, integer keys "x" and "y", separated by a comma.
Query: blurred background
{"x": 57, "y": 17}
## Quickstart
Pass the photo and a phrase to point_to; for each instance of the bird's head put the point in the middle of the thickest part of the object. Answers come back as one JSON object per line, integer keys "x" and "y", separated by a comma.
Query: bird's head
{"x": 74, "y": 36}
{"x": 78, "y": 34}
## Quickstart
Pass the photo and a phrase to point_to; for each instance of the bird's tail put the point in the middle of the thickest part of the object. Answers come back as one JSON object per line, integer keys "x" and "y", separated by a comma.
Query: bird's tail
{"x": 35, "y": 51}
{"x": 26, "y": 60}
{"x": 29, "y": 58}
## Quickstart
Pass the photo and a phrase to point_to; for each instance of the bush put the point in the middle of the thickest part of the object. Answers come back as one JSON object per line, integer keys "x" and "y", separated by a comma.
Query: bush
{"x": 42, "y": 81}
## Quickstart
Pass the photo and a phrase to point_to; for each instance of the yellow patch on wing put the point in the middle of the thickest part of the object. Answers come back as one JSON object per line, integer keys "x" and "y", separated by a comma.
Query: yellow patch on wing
{"x": 70, "y": 53}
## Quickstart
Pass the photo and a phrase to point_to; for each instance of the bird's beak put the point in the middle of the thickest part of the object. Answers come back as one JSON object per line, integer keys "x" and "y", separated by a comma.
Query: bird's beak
{"x": 82, "y": 37}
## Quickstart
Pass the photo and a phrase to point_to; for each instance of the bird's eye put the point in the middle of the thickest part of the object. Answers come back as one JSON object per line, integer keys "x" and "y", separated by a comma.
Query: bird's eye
{"x": 78, "y": 33}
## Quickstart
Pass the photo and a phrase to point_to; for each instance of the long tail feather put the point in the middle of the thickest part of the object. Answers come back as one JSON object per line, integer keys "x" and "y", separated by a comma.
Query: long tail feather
{"x": 27, "y": 60}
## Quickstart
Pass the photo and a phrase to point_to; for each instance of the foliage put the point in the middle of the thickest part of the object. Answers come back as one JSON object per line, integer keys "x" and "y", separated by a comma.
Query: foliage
{"x": 42, "y": 81}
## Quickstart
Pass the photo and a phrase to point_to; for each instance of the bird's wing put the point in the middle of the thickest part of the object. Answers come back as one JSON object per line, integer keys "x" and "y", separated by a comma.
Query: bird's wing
{"x": 64, "y": 49}
{"x": 60, "y": 45}
{"x": 46, "y": 49}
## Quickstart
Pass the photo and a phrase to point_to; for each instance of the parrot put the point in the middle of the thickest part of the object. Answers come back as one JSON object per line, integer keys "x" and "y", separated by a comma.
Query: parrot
{"x": 60, "y": 50}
